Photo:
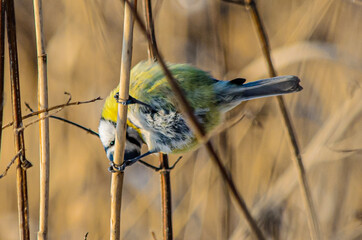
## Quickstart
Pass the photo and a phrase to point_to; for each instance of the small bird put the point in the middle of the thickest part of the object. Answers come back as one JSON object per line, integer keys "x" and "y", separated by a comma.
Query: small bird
{"x": 153, "y": 116}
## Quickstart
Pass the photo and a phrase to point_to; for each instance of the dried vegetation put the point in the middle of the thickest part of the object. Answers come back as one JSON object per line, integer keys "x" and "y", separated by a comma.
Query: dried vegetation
{"x": 317, "y": 40}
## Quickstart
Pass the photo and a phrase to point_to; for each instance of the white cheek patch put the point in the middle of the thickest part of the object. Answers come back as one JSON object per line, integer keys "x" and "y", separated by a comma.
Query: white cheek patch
{"x": 107, "y": 132}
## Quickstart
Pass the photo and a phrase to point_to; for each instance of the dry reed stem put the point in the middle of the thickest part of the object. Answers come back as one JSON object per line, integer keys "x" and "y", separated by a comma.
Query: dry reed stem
{"x": 22, "y": 187}
{"x": 117, "y": 177}
{"x": 313, "y": 222}
{"x": 54, "y": 108}
{"x": 88, "y": 130}
{"x": 2, "y": 53}
{"x": 199, "y": 131}
{"x": 166, "y": 197}
{"x": 151, "y": 29}
{"x": 43, "y": 123}
{"x": 39, "y": 119}
{"x": 318, "y": 151}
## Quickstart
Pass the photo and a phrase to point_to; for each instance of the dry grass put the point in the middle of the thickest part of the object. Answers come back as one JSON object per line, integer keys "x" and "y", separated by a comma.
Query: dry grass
{"x": 316, "y": 40}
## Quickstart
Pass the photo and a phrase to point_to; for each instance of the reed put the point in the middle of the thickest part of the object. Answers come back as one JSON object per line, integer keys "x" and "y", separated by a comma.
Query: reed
{"x": 117, "y": 177}
{"x": 200, "y": 132}
{"x": 166, "y": 193}
{"x": 43, "y": 123}
{"x": 22, "y": 163}
{"x": 2, "y": 58}
{"x": 315, "y": 40}
{"x": 313, "y": 221}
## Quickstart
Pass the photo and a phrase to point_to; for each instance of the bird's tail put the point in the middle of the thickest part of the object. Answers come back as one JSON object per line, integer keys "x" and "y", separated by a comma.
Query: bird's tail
{"x": 232, "y": 93}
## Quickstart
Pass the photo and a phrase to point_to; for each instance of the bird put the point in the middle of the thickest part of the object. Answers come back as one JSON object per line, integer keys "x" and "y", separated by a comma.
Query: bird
{"x": 154, "y": 118}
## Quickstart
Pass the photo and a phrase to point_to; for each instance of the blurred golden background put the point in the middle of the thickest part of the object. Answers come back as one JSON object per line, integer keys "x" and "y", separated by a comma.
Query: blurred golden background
{"x": 319, "y": 41}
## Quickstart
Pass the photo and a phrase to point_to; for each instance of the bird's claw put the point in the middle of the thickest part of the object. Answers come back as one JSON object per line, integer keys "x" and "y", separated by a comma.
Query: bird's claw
{"x": 120, "y": 167}
{"x": 129, "y": 101}
{"x": 113, "y": 168}
{"x": 132, "y": 100}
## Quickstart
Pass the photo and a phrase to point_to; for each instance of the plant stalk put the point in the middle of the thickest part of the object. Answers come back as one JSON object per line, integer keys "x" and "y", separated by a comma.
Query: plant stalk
{"x": 43, "y": 124}
{"x": 164, "y": 164}
{"x": 199, "y": 131}
{"x": 150, "y": 26}
{"x": 22, "y": 187}
{"x": 57, "y": 107}
{"x": 2, "y": 61}
{"x": 293, "y": 143}
{"x": 166, "y": 197}
{"x": 117, "y": 177}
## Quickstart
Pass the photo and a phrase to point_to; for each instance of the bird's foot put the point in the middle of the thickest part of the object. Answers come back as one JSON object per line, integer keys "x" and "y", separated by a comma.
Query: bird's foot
{"x": 113, "y": 168}
{"x": 121, "y": 167}
{"x": 132, "y": 100}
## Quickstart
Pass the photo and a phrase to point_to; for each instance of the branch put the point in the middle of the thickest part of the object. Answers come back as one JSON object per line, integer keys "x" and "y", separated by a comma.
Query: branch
{"x": 88, "y": 130}
{"x": 41, "y": 118}
{"x": 10, "y": 163}
{"x": 117, "y": 177}
{"x": 21, "y": 178}
{"x": 153, "y": 235}
{"x": 313, "y": 222}
{"x": 44, "y": 122}
{"x": 2, "y": 58}
{"x": 199, "y": 130}
{"x": 54, "y": 108}
{"x": 166, "y": 200}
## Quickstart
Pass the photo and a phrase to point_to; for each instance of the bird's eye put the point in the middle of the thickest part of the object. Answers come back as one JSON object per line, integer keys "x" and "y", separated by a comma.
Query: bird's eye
{"x": 111, "y": 143}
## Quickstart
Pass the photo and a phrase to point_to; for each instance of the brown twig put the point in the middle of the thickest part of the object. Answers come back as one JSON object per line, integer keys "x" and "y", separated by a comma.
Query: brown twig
{"x": 199, "y": 130}
{"x": 2, "y": 53}
{"x": 88, "y": 130}
{"x": 40, "y": 118}
{"x": 53, "y": 108}
{"x": 150, "y": 26}
{"x": 22, "y": 187}
{"x": 163, "y": 158}
{"x": 153, "y": 235}
{"x": 117, "y": 177}
{"x": 293, "y": 143}
{"x": 9, "y": 165}
{"x": 166, "y": 197}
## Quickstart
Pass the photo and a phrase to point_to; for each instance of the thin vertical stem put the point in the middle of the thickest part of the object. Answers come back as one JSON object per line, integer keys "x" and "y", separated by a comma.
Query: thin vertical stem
{"x": 22, "y": 187}
{"x": 166, "y": 197}
{"x": 199, "y": 131}
{"x": 305, "y": 189}
{"x": 164, "y": 164}
{"x": 2, "y": 53}
{"x": 150, "y": 26}
{"x": 117, "y": 177}
{"x": 43, "y": 124}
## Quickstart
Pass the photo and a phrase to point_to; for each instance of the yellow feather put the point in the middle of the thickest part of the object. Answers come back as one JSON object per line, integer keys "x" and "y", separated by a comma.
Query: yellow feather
{"x": 110, "y": 110}
{"x": 110, "y": 107}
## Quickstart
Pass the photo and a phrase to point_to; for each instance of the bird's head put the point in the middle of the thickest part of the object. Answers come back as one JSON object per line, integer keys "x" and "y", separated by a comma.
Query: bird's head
{"x": 107, "y": 131}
